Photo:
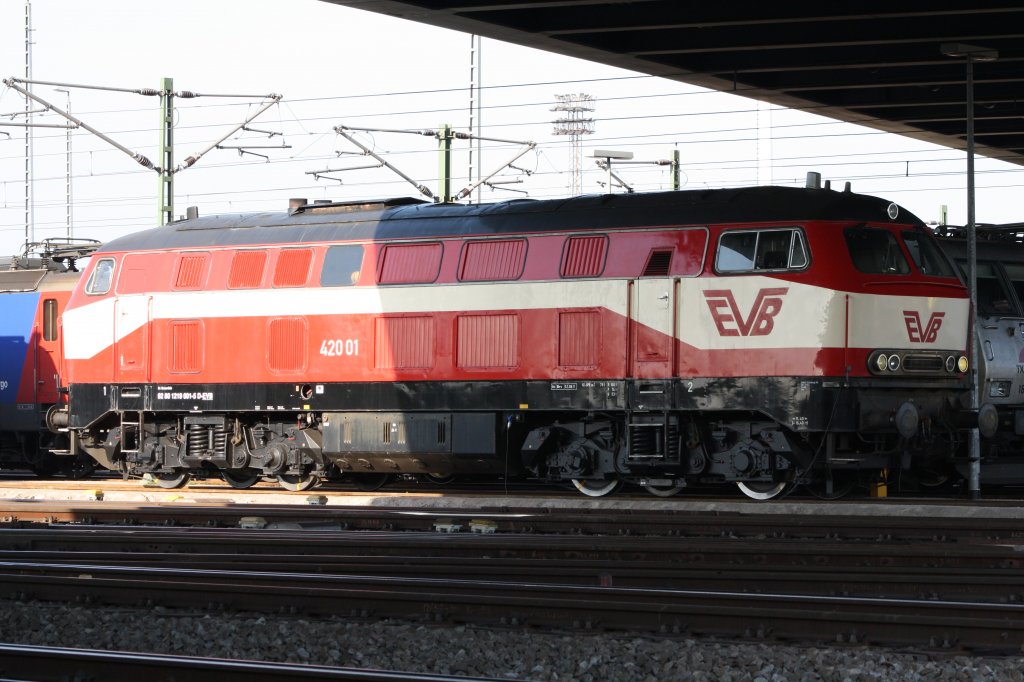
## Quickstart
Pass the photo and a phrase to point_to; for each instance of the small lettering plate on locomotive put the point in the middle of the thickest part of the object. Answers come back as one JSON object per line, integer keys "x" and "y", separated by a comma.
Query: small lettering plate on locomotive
{"x": 563, "y": 386}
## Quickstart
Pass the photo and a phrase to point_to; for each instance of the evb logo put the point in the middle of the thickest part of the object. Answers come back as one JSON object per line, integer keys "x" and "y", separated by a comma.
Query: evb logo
{"x": 926, "y": 334}
{"x": 758, "y": 322}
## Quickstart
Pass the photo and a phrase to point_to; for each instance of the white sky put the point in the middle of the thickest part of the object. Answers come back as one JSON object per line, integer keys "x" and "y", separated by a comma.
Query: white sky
{"x": 340, "y": 66}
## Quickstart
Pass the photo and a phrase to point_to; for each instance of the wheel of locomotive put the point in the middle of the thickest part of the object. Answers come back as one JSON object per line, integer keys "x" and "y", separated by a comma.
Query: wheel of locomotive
{"x": 596, "y": 487}
{"x": 45, "y": 467}
{"x": 334, "y": 474}
{"x": 241, "y": 478}
{"x": 765, "y": 490}
{"x": 297, "y": 482}
{"x": 664, "y": 490}
{"x": 81, "y": 466}
{"x": 934, "y": 477}
{"x": 170, "y": 479}
{"x": 440, "y": 479}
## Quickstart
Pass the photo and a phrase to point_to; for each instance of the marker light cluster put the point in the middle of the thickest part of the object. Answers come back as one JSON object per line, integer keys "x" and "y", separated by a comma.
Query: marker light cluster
{"x": 912, "y": 362}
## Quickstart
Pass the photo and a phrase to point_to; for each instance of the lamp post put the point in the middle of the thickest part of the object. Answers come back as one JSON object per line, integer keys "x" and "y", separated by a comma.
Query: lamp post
{"x": 972, "y": 53}
{"x": 608, "y": 155}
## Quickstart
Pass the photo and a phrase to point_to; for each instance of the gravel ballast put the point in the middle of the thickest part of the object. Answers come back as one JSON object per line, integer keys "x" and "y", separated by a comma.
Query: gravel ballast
{"x": 477, "y": 651}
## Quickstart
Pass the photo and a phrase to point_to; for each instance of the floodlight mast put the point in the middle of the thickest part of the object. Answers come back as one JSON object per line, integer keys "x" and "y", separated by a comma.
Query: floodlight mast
{"x": 972, "y": 53}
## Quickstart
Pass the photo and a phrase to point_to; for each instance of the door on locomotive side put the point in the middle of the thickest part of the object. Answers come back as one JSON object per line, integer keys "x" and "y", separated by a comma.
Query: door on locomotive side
{"x": 131, "y": 329}
{"x": 653, "y": 304}
{"x": 47, "y": 343}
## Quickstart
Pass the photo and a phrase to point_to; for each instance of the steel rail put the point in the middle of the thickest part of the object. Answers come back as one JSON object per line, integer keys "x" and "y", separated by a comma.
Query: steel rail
{"x": 674, "y": 521}
{"x": 931, "y": 582}
{"x": 679, "y": 551}
{"x": 58, "y": 664}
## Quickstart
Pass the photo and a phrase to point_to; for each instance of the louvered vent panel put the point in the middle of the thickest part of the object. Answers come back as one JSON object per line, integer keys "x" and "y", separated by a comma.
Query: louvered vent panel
{"x": 493, "y": 260}
{"x": 488, "y": 341}
{"x": 247, "y": 269}
{"x": 186, "y": 347}
{"x": 578, "y": 339}
{"x": 584, "y": 256}
{"x": 657, "y": 264}
{"x": 292, "y": 268}
{"x": 410, "y": 263}
{"x": 287, "y": 344}
{"x": 190, "y": 271}
{"x": 404, "y": 342}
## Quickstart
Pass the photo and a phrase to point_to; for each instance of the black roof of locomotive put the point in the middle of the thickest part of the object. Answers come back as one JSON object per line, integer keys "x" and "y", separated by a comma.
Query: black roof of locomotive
{"x": 409, "y": 218}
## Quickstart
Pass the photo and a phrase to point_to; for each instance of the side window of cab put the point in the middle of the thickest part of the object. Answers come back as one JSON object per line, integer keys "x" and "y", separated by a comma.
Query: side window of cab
{"x": 101, "y": 277}
{"x": 761, "y": 251}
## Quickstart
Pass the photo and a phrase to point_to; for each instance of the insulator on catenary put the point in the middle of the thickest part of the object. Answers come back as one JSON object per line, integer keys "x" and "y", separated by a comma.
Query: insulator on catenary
{"x": 187, "y": 94}
{"x": 143, "y": 161}
{"x": 149, "y": 92}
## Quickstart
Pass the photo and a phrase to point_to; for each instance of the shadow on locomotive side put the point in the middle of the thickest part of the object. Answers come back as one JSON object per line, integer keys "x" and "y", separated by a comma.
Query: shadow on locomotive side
{"x": 764, "y": 336}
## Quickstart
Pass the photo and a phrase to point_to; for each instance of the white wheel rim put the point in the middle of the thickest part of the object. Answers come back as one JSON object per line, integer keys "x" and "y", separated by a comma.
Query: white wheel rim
{"x": 774, "y": 491}
{"x": 594, "y": 488}
{"x": 663, "y": 491}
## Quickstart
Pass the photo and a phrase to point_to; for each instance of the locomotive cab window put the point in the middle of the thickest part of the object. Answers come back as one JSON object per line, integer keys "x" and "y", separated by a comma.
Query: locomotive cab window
{"x": 761, "y": 250}
{"x": 1016, "y": 274}
{"x": 341, "y": 266}
{"x": 875, "y": 251}
{"x": 927, "y": 256}
{"x": 101, "y": 277}
{"x": 993, "y": 296}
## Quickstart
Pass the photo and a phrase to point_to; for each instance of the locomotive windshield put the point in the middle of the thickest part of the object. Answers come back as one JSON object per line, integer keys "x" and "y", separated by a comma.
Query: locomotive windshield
{"x": 875, "y": 251}
{"x": 927, "y": 256}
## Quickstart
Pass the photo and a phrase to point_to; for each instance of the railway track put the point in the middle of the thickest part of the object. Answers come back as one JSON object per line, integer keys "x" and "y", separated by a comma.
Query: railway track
{"x": 936, "y": 595}
{"x": 901, "y": 622}
{"x": 57, "y": 664}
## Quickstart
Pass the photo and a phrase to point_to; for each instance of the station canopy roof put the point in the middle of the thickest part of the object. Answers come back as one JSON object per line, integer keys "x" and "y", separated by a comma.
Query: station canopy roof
{"x": 876, "y": 63}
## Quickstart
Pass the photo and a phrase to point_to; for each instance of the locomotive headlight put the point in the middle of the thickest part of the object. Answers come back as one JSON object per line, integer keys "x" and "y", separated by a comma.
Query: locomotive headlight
{"x": 894, "y": 363}
{"x": 1000, "y": 389}
{"x": 950, "y": 363}
{"x": 961, "y": 364}
{"x": 882, "y": 361}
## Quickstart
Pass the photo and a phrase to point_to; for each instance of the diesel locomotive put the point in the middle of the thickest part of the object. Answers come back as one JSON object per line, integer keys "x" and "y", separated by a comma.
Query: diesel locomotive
{"x": 762, "y": 336}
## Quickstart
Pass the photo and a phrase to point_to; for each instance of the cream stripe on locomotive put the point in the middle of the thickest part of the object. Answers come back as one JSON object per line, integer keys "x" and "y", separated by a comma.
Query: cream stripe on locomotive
{"x": 712, "y": 313}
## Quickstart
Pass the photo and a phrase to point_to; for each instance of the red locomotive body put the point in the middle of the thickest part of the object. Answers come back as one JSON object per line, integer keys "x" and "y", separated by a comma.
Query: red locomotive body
{"x": 763, "y": 336}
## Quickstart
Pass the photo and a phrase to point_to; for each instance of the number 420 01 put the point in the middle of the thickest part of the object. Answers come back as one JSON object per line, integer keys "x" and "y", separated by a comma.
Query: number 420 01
{"x": 337, "y": 347}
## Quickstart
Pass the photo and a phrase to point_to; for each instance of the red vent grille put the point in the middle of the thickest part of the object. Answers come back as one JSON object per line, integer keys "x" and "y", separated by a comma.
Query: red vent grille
{"x": 404, "y": 343}
{"x": 190, "y": 271}
{"x": 657, "y": 264}
{"x": 578, "y": 339}
{"x": 292, "y": 267}
{"x": 287, "y": 347}
{"x": 186, "y": 347}
{"x": 493, "y": 260}
{"x": 584, "y": 256}
{"x": 410, "y": 263}
{"x": 488, "y": 341}
{"x": 247, "y": 269}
